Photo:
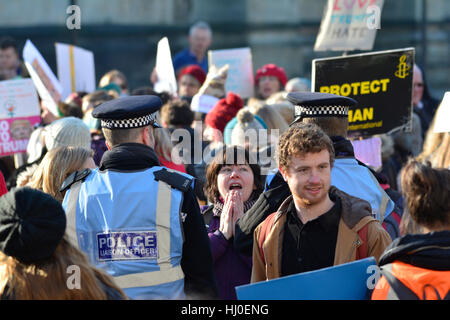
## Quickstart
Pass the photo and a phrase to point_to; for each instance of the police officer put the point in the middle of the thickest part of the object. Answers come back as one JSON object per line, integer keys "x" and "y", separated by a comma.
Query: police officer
{"x": 136, "y": 219}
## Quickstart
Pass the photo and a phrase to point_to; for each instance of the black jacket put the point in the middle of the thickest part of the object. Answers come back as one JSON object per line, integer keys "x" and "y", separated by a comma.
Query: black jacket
{"x": 428, "y": 251}
{"x": 196, "y": 261}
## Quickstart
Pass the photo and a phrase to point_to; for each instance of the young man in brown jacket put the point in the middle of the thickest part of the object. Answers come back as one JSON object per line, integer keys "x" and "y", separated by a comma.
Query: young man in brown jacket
{"x": 318, "y": 226}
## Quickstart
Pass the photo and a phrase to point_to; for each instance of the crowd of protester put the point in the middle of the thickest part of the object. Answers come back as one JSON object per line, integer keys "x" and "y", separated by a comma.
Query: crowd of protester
{"x": 291, "y": 200}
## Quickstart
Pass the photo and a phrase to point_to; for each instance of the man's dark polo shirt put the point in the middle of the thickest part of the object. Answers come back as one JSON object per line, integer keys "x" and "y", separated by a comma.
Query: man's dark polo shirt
{"x": 310, "y": 246}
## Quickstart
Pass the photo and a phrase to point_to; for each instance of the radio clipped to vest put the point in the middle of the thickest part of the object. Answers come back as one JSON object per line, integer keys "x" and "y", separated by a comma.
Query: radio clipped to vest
{"x": 74, "y": 177}
{"x": 173, "y": 179}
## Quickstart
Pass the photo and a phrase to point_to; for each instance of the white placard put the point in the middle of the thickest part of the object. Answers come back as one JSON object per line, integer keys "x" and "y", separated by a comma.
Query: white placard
{"x": 442, "y": 122}
{"x": 76, "y": 69}
{"x": 240, "y": 72}
{"x": 18, "y": 98}
{"x": 164, "y": 69}
{"x": 349, "y": 25}
{"x": 46, "y": 83}
{"x": 203, "y": 103}
{"x": 46, "y": 97}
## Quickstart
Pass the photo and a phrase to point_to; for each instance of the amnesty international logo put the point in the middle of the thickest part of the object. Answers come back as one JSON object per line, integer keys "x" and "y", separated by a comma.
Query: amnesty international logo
{"x": 402, "y": 68}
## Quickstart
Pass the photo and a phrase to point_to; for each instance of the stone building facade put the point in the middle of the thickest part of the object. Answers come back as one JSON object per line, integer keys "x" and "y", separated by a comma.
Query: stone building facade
{"x": 124, "y": 34}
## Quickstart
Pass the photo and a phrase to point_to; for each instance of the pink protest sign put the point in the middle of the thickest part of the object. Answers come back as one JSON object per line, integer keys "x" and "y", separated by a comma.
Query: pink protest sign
{"x": 14, "y": 134}
{"x": 19, "y": 113}
{"x": 368, "y": 151}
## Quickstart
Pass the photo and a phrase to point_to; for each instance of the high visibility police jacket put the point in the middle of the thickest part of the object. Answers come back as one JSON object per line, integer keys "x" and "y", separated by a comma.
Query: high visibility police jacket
{"x": 415, "y": 267}
{"x": 130, "y": 223}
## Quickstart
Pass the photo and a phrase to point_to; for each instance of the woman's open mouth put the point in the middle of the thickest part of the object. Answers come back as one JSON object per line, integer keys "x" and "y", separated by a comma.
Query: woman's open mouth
{"x": 234, "y": 186}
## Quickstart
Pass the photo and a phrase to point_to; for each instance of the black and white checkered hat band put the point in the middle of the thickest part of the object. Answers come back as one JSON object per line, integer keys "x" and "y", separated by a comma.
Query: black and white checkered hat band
{"x": 325, "y": 111}
{"x": 128, "y": 123}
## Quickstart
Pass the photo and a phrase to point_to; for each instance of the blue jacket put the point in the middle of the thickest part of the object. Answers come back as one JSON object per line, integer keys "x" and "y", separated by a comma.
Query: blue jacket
{"x": 185, "y": 57}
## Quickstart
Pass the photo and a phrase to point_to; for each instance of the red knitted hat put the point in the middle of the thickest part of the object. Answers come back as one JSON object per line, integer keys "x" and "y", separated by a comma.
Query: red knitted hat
{"x": 271, "y": 70}
{"x": 224, "y": 110}
{"x": 195, "y": 71}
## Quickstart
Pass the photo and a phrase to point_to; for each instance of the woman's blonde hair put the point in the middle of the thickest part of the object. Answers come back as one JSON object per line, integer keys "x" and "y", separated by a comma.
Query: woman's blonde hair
{"x": 48, "y": 280}
{"x": 109, "y": 77}
{"x": 277, "y": 97}
{"x": 271, "y": 117}
{"x": 163, "y": 142}
{"x": 286, "y": 110}
{"x": 56, "y": 166}
{"x": 436, "y": 147}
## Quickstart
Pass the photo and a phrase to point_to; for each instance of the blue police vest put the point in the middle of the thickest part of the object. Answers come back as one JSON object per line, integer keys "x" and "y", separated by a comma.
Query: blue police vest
{"x": 356, "y": 180}
{"x": 130, "y": 225}
{"x": 347, "y": 175}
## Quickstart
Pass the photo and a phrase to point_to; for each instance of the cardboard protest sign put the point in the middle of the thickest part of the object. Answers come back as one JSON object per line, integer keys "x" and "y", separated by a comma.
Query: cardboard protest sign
{"x": 350, "y": 281}
{"x": 442, "y": 123}
{"x": 240, "y": 71}
{"x": 19, "y": 113}
{"x": 349, "y": 25}
{"x": 164, "y": 69}
{"x": 76, "y": 69}
{"x": 381, "y": 82}
{"x": 46, "y": 83}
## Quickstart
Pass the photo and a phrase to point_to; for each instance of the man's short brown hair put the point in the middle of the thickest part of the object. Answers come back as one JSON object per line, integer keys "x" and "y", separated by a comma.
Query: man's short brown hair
{"x": 301, "y": 139}
{"x": 115, "y": 137}
{"x": 177, "y": 113}
{"x": 332, "y": 126}
{"x": 96, "y": 98}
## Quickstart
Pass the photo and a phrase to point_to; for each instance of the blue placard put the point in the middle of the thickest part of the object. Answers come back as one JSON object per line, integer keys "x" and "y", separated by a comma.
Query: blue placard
{"x": 349, "y": 281}
{"x": 127, "y": 245}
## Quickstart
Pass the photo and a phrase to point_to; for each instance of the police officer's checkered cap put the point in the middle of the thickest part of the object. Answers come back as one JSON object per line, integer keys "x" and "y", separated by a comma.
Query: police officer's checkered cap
{"x": 316, "y": 104}
{"x": 129, "y": 123}
{"x": 128, "y": 112}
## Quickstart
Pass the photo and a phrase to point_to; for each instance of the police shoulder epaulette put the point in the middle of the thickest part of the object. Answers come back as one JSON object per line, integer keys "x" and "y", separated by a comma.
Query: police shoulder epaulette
{"x": 74, "y": 177}
{"x": 175, "y": 180}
